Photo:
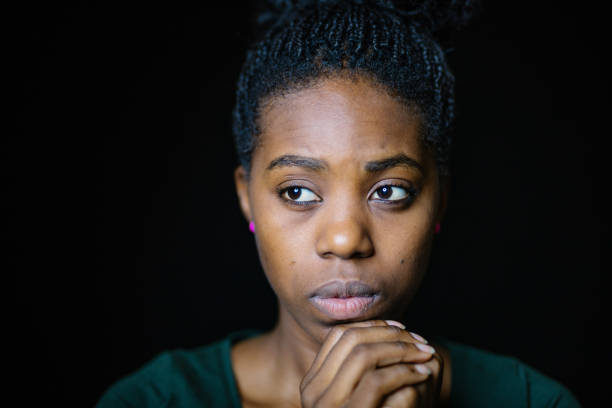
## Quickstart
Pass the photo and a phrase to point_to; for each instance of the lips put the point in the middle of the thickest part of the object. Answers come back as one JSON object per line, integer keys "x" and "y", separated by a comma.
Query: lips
{"x": 341, "y": 289}
{"x": 341, "y": 300}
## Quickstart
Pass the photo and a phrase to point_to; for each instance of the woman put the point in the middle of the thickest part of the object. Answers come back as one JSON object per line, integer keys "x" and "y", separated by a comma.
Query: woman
{"x": 342, "y": 125}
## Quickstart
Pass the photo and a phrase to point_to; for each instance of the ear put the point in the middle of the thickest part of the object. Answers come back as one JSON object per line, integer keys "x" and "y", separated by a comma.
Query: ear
{"x": 444, "y": 196}
{"x": 242, "y": 189}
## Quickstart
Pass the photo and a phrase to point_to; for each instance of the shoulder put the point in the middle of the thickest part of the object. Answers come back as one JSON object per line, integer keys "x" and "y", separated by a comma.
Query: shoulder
{"x": 196, "y": 377}
{"x": 481, "y": 378}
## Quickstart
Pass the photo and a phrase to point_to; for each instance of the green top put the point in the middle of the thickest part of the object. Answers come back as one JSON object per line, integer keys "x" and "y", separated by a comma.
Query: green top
{"x": 203, "y": 377}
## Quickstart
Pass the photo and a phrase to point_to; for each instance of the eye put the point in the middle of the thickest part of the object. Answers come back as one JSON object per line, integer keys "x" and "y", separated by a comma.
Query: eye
{"x": 390, "y": 193}
{"x": 299, "y": 194}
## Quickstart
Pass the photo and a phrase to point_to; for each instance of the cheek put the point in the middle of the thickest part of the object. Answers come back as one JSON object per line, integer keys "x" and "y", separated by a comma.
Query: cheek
{"x": 413, "y": 262}
{"x": 282, "y": 249}
{"x": 407, "y": 256}
{"x": 271, "y": 258}
{"x": 282, "y": 243}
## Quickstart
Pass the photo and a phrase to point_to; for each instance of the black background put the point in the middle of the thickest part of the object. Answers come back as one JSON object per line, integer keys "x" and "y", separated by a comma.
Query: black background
{"x": 124, "y": 232}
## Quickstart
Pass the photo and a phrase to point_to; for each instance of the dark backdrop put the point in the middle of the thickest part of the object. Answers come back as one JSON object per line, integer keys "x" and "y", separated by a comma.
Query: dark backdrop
{"x": 124, "y": 232}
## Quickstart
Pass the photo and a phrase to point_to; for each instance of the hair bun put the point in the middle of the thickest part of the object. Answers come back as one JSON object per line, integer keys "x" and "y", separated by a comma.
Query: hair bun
{"x": 439, "y": 16}
{"x": 442, "y": 15}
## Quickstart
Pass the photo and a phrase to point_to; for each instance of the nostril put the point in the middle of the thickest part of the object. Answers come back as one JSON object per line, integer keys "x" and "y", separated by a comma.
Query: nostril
{"x": 366, "y": 253}
{"x": 345, "y": 241}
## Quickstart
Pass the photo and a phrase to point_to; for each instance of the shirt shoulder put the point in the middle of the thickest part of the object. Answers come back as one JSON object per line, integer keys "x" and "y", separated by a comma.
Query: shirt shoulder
{"x": 178, "y": 378}
{"x": 481, "y": 378}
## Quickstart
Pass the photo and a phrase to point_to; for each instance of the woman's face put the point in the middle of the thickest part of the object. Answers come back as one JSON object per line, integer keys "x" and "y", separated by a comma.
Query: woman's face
{"x": 344, "y": 198}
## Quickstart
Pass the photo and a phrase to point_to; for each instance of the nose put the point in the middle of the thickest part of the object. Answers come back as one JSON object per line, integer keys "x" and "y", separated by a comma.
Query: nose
{"x": 345, "y": 237}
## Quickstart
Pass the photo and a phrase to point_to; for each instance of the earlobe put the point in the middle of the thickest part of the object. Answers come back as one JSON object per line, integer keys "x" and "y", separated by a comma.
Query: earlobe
{"x": 242, "y": 190}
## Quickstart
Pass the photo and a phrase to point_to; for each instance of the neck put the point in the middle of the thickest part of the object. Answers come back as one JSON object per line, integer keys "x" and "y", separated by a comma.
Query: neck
{"x": 292, "y": 350}
{"x": 282, "y": 357}
{"x": 296, "y": 349}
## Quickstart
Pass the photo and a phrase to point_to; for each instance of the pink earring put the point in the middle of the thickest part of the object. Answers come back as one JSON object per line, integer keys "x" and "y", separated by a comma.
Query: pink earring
{"x": 437, "y": 228}
{"x": 252, "y": 227}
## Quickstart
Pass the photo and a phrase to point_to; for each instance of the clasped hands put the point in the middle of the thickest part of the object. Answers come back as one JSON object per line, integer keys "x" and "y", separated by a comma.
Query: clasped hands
{"x": 373, "y": 364}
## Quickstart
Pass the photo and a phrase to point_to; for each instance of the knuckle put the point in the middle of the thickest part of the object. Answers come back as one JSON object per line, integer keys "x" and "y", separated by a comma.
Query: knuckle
{"x": 414, "y": 347}
{"x": 404, "y": 369}
{"x": 361, "y": 351}
{"x": 337, "y": 331}
{"x": 404, "y": 397}
{"x": 436, "y": 364}
{"x": 375, "y": 323}
{"x": 410, "y": 395}
{"x": 407, "y": 394}
{"x": 350, "y": 336}
{"x": 374, "y": 380}
{"x": 371, "y": 323}
{"x": 379, "y": 322}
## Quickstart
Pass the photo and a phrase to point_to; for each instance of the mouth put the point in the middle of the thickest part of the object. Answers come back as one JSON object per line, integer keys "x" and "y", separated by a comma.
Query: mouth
{"x": 341, "y": 300}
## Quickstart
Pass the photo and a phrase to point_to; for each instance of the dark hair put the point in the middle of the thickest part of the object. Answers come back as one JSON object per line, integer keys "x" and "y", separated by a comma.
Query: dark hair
{"x": 390, "y": 43}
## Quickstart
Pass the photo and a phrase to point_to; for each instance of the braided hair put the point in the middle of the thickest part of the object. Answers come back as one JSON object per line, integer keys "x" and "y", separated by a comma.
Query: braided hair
{"x": 390, "y": 43}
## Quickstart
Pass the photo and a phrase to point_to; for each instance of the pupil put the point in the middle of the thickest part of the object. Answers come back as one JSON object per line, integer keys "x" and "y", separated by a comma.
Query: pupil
{"x": 294, "y": 193}
{"x": 384, "y": 192}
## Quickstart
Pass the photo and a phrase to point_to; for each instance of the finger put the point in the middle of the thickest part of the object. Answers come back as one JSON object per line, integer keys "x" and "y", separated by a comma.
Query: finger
{"x": 406, "y": 397}
{"x": 332, "y": 337}
{"x": 429, "y": 391}
{"x": 335, "y": 334}
{"x": 354, "y": 336}
{"x": 418, "y": 338}
{"x": 433, "y": 386}
{"x": 370, "y": 356}
{"x": 376, "y": 385}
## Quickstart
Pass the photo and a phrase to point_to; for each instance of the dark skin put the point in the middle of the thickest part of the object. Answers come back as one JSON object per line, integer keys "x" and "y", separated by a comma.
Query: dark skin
{"x": 341, "y": 189}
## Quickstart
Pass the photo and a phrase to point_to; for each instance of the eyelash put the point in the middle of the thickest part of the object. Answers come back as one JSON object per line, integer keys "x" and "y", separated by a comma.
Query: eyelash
{"x": 283, "y": 191}
{"x": 411, "y": 194}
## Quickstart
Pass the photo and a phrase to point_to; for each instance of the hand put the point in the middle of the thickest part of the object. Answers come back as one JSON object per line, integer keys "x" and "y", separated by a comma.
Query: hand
{"x": 372, "y": 364}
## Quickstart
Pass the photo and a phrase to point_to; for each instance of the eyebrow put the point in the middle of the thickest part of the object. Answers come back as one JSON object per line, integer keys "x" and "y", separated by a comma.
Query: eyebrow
{"x": 297, "y": 161}
{"x": 387, "y": 163}
{"x": 371, "y": 166}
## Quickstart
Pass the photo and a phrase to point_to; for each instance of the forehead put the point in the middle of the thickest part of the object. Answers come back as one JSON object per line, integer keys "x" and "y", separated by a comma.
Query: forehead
{"x": 338, "y": 119}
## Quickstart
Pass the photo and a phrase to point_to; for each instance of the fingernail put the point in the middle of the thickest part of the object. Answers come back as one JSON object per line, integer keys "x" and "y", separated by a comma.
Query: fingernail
{"x": 422, "y": 369}
{"x": 419, "y": 338}
{"x": 396, "y": 324}
{"x": 425, "y": 348}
